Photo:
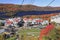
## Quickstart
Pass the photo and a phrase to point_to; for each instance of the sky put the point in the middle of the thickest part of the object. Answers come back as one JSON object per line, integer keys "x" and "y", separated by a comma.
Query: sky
{"x": 34, "y": 2}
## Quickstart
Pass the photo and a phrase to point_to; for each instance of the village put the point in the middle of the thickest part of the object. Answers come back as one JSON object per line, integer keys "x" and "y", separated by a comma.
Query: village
{"x": 10, "y": 27}
{"x": 29, "y": 19}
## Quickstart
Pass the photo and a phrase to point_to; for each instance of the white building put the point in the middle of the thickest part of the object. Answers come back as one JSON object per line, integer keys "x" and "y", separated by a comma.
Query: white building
{"x": 45, "y": 22}
{"x": 55, "y": 19}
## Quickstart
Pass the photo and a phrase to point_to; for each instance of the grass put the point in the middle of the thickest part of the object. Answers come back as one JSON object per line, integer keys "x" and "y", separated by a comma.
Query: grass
{"x": 27, "y": 34}
{"x": 12, "y": 38}
{"x": 1, "y": 37}
{"x": 32, "y": 31}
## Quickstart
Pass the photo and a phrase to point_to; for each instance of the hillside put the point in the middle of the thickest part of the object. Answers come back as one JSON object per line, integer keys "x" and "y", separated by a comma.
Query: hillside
{"x": 9, "y": 10}
{"x": 12, "y": 7}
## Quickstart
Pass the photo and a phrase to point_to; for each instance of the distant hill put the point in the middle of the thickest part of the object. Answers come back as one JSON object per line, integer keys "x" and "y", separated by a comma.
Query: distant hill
{"x": 12, "y": 7}
{"x": 9, "y": 10}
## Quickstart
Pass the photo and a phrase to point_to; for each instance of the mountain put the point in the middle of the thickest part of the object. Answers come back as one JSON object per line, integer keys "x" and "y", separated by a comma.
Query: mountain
{"x": 12, "y": 7}
{"x": 9, "y": 10}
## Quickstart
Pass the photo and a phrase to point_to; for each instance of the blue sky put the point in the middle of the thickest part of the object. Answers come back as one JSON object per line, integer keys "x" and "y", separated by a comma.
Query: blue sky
{"x": 34, "y": 2}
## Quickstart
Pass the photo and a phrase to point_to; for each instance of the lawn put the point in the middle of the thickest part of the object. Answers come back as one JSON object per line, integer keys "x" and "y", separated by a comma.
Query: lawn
{"x": 33, "y": 34}
{"x": 27, "y": 34}
{"x": 30, "y": 31}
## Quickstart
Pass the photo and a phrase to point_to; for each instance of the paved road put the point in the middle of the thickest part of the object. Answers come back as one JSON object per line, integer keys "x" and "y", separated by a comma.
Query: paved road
{"x": 2, "y": 30}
